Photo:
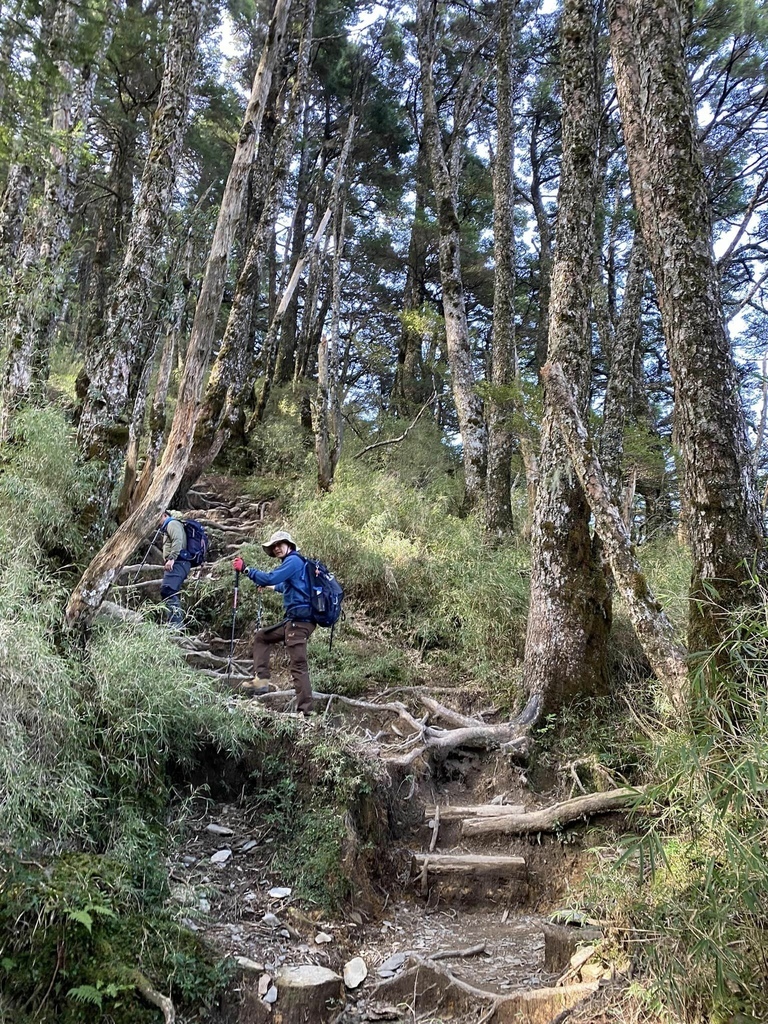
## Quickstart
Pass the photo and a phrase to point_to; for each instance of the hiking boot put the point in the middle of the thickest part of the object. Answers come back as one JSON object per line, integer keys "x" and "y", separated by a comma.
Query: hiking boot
{"x": 257, "y": 687}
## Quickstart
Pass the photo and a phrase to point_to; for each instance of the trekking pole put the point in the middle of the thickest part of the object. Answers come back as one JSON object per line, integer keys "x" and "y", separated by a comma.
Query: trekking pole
{"x": 234, "y": 615}
{"x": 151, "y": 545}
{"x": 259, "y": 610}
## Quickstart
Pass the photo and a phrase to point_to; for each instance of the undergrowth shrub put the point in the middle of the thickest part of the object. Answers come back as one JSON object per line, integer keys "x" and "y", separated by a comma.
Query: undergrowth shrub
{"x": 402, "y": 556}
{"x": 694, "y": 886}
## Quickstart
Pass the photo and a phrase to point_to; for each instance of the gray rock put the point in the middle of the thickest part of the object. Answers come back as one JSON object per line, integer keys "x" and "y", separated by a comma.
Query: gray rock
{"x": 279, "y": 892}
{"x": 392, "y": 964}
{"x": 248, "y": 965}
{"x": 219, "y": 830}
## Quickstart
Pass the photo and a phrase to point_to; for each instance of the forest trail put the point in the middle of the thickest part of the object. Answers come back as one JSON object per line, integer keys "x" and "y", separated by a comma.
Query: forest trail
{"x": 460, "y": 927}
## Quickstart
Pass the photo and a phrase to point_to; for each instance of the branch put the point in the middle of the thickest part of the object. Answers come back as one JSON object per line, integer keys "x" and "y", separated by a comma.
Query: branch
{"x": 405, "y": 433}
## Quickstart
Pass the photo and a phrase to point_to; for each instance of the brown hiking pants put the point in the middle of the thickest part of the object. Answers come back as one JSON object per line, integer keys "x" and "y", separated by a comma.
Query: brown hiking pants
{"x": 294, "y": 635}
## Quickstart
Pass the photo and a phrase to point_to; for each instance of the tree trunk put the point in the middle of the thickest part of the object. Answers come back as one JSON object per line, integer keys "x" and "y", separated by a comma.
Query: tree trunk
{"x": 326, "y": 413}
{"x": 498, "y": 500}
{"x": 654, "y": 631}
{"x": 668, "y": 185}
{"x": 545, "y": 242}
{"x": 626, "y": 340}
{"x": 409, "y": 390}
{"x": 120, "y": 359}
{"x": 232, "y": 375}
{"x": 96, "y": 580}
{"x": 13, "y": 210}
{"x": 468, "y": 405}
{"x": 569, "y": 613}
{"x": 133, "y": 495}
{"x": 39, "y": 281}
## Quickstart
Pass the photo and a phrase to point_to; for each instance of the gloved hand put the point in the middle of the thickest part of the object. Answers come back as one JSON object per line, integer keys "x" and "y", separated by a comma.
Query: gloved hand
{"x": 238, "y": 565}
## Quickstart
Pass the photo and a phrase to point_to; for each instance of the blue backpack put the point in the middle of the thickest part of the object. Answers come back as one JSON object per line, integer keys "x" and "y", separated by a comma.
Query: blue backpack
{"x": 325, "y": 593}
{"x": 196, "y": 550}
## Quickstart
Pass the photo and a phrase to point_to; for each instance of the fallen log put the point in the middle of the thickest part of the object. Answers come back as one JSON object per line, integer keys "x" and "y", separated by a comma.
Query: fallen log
{"x": 549, "y": 819}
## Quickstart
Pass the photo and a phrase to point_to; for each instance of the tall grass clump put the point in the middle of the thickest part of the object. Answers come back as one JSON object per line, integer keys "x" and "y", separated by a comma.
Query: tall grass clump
{"x": 694, "y": 888}
{"x": 89, "y": 727}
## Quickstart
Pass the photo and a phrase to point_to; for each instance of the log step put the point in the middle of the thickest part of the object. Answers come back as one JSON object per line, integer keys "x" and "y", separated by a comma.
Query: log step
{"x": 457, "y": 812}
{"x": 501, "y": 866}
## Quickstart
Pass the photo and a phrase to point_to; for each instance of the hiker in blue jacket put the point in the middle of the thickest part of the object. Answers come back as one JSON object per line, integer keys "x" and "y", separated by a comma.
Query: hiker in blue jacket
{"x": 176, "y": 568}
{"x": 293, "y": 631}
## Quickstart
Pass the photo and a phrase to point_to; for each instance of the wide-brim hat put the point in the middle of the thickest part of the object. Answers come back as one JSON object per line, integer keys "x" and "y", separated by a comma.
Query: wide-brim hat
{"x": 281, "y": 535}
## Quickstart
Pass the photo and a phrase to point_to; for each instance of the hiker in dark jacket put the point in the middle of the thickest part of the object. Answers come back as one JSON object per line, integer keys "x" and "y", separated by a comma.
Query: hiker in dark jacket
{"x": 293, "y": 631}
{"x": 176, "y": 568}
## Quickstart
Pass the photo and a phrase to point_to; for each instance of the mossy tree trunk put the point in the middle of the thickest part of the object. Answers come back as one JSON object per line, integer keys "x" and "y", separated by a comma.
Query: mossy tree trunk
{"x": 666, "y": 656}
{"x": 569, "y": 612}
{"x": 722, "y": 511}
{"x": 444, "y": 168}
{"x": 500, "y": 406}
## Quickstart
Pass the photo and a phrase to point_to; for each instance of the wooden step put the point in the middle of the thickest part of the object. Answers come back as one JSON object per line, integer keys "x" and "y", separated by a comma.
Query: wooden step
{"x": 457, "y": 812}
{"x": 499, "y": 865}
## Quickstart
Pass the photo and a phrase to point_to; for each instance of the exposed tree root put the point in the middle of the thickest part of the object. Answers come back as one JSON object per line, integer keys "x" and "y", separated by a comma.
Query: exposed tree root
{"x": 156, "y": 998}
{"x": 428, "y": 986}
{"x": 420, "y": 739}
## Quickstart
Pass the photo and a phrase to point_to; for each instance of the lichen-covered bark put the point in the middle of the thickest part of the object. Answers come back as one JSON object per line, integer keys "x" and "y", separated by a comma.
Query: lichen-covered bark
{"x": 469, "y": 408}
{"x": 119, "y": 360}
{"x": 668, "y": 185}
{"x": 569, "y": 608}
{"x": 498, "y": 504}
{"x": 13, "y": 209}
{"x": 232, "y": 374}
{"x": 625, "y": 342}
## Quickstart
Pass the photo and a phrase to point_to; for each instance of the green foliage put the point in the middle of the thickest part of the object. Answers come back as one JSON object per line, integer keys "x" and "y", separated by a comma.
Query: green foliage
{"x": 695, "y": 882}
{"x": 73, "y": 935}
{"x": 89, "y": 731}
{"x": 317, "y": 792}
{"x": 402, "y": 555}
{"x": 41, "y": 488}
{"x": 667, "y": 565}
{"x": 356, "y": 665}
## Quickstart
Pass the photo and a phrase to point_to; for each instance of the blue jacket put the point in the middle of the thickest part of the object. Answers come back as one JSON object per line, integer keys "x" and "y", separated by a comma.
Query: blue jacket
{"x": 288, "y": 580}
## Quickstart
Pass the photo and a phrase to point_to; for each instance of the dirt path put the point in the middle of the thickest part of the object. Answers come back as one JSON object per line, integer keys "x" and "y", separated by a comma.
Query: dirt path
{"x": 462, "y": 935}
